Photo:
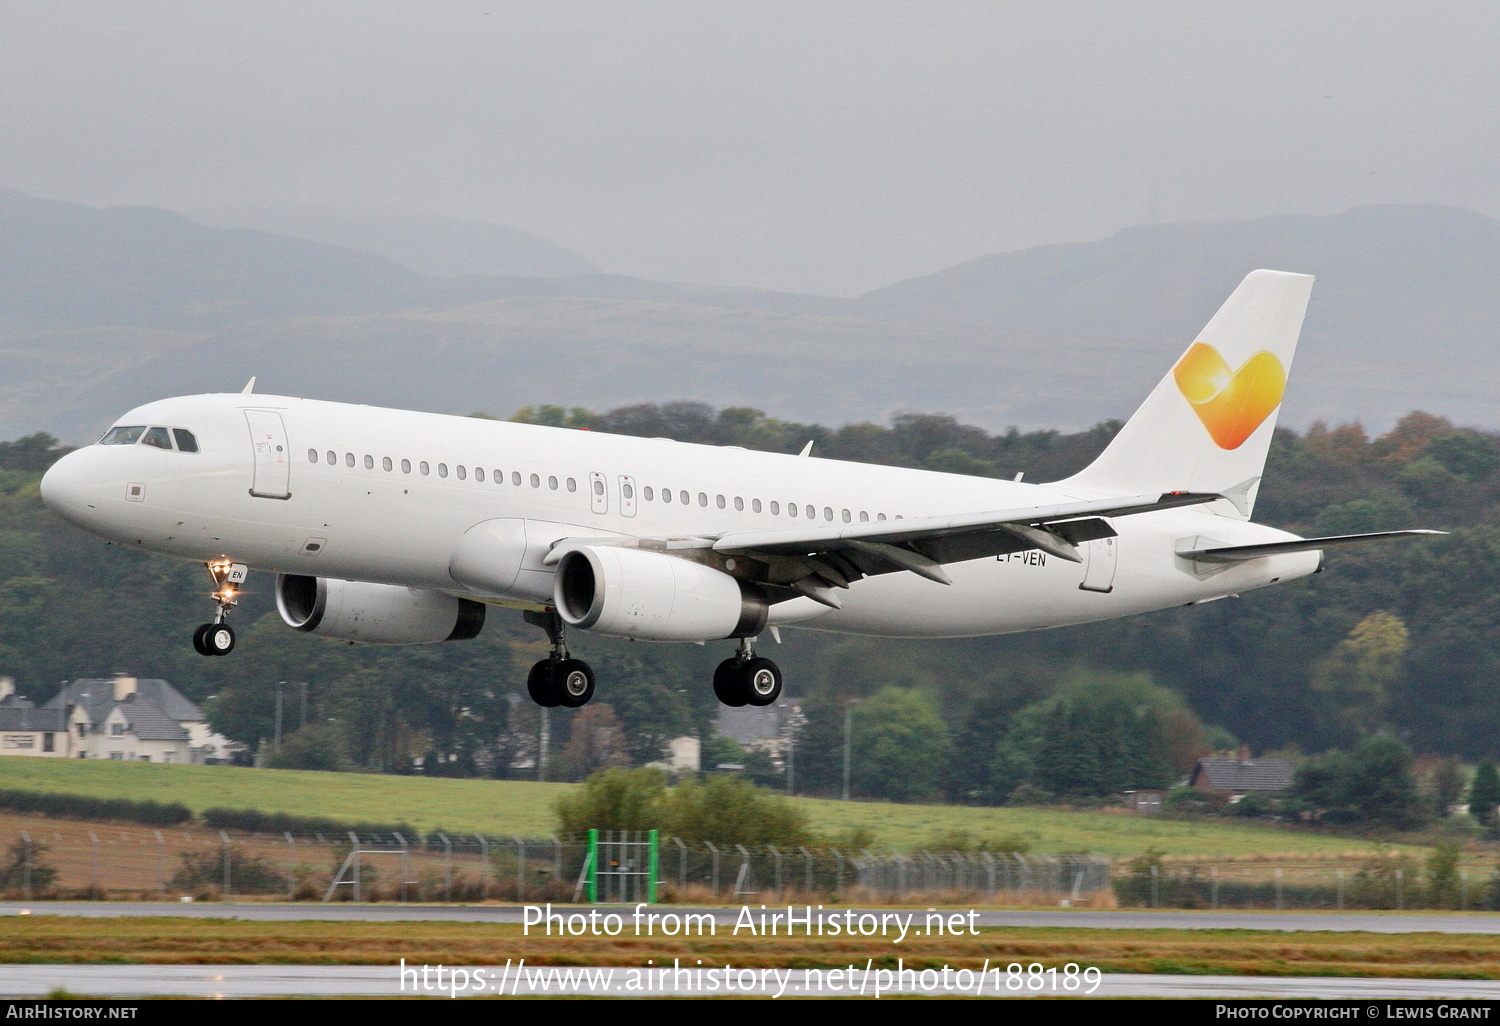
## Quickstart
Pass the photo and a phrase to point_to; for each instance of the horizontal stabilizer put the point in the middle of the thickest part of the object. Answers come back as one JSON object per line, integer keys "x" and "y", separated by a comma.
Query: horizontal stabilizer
{"x": 1240, "y": 553}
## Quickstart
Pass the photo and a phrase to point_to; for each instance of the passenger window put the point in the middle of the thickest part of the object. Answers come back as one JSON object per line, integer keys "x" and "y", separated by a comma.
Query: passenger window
{"x": 157, "y": 437}
{"x": 333, "y": 457}
{"x": 739, "y": 503}
{"x": 666, "y": 495}
{"x": 719, "y": 501}
{"x": 122, "y": 436}
{"x": 812, "y": 513}
{"x": 386, "y": 464}
{"x": 879, "y": 516}
{"x": 498, "y": 477}
{"x": 827, "y": 512}
{"x": 791, "y": 509}
{"x": 682, "y": 497}
{"x": 598, "y": 487}
{"x": 703, "y": 498}
{"x": 348, "y": 459}
{"x": 479, "y": 474}
{"x": 312, "y": 455}
{"x": 515, "y": 478}
{"x": 424, "y": 468}
{"x": 406, "y": 466}
{"x": 775, "y": 508}
{"x": 627, "y": 491}
{"x": 864, "y": 518}
{"x": 649, "y": 493}
{"x": 369, "y": 462}
{"x": 755, "y": 505}
{"x": 461, "y": 472}
{"x": 552, "y": 483}
{"x": 188, "y": 442}
{"x": 442, "y": 470}
{"x": 845, "y": 515}
{"x": 572, "y": 485}
{"x": 536, "y": 481}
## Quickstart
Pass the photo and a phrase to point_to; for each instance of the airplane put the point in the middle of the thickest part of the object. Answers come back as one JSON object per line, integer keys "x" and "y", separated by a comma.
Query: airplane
{"x": 393, "y": 527}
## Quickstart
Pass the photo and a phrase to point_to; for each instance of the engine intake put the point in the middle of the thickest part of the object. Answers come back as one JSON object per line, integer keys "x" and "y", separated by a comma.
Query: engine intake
{"x": 377, "y": 614}
{"x": 635, "y": 593}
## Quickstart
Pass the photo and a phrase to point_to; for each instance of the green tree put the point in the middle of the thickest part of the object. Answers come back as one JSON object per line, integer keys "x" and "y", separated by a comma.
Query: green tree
{"x": 1484, "y": 794}
{"x": 900, "y": 746}
{"x": 1355, "y": 680}
{"x": 617, "y": 799}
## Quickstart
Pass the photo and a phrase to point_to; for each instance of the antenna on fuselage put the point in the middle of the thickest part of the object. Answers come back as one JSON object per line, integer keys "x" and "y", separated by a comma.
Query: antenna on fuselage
{"x": 249, "y": 386}
{"x": 806, "y": 449}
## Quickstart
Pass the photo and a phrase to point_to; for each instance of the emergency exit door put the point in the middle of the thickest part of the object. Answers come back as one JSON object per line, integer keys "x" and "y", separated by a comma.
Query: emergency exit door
{"x": 273, "y": 460}
{"x": 1099, "y": 567}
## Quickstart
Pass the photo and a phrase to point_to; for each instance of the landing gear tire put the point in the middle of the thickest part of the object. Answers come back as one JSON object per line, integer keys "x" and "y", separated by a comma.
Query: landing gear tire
{"x": 539, "y": 685}
{"x": 759, "y": 681}
{"x": 214, "y": 639}
{"x": 573, "y": 683}
{"x": 726, "y": 684}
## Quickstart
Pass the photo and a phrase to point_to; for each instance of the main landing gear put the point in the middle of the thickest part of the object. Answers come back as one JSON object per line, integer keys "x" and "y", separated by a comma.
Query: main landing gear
{"x": 559, "y": 679}
{"x": 217, "y": 638}
{"x": 747, "y": 679}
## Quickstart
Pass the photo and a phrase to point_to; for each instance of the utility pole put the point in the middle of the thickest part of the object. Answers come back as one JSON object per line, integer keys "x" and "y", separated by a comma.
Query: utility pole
{"x": 848, "y": 729}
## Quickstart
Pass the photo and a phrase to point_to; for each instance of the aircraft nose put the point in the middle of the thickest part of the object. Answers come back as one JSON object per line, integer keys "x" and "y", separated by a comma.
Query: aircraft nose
{"x": 70, "y": 488}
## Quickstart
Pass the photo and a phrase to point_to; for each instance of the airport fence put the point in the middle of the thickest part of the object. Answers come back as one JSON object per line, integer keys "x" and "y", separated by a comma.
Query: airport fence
{"x": 59, "y": 861}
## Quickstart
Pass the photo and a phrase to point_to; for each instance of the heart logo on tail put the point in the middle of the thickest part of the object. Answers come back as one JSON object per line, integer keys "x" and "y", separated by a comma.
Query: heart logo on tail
{"x": 1231, "y": 404}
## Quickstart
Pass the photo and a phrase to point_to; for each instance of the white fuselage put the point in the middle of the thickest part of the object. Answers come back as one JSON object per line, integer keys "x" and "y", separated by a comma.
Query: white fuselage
{"x": 345, "y": 496}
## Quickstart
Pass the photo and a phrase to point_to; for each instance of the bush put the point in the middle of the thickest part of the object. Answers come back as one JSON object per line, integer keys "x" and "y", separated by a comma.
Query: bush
{"x": 723, "y": 809}
{"x": 14, "y": 876}
{"x": 76, "y": 806}
{"x": 257, "y": 822}
{"x": 248, "y": 874}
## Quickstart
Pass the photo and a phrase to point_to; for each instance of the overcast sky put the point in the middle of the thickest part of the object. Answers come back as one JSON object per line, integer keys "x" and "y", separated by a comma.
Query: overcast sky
{"x": 828, "y": 147}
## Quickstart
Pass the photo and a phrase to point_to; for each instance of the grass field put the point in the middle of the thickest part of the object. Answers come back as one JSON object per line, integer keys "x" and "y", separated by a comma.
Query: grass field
{"x": 517, "y": 807}
{"x": 50, "y": 939}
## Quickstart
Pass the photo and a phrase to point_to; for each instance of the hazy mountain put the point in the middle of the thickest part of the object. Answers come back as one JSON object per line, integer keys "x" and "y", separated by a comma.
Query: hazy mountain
{"x": 439, "y": 247}
{"x": 1388, "y": 277}
{"x": 104, "y": 309}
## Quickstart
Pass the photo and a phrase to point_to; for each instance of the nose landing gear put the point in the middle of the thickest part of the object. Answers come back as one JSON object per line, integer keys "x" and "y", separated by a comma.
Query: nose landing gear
{"x": 747, "y": 679}
{"x": 217, "y": 638}
{"x": 559, "y": 679}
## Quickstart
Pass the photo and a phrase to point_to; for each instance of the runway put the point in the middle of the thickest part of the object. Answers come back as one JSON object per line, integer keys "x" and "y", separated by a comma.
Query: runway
{"x": 1092, "y": 919}
{"x": 247, "y": 981}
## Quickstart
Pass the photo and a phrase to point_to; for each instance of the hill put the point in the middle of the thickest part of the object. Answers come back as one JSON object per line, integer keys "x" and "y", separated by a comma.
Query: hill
{"x": 440, "y": 247}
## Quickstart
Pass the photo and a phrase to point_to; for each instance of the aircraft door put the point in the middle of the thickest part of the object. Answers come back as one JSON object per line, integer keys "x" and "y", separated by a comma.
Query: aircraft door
{"x": 1099, "y": 570}
{"x": 273, "y": 459}
{"x": 627, "y": 495}
{"x": 598, "y": 492}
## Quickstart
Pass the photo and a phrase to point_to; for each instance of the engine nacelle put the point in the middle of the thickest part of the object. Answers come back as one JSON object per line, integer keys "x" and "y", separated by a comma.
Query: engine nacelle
{"x": 378, "y": 614}
{"x": 636, "y": 593}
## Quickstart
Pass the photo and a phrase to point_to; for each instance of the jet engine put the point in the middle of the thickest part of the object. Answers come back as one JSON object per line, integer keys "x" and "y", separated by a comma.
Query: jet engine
{"x": 636, "y": 593}
{"x": 379, "y": 614}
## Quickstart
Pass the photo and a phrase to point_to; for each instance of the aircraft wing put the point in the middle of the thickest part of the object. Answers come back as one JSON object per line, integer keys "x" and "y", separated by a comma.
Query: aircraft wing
{"x": 813, "y": 559}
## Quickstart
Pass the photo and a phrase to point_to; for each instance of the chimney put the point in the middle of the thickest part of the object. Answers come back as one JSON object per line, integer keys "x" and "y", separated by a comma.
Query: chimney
{"x": 7, "y": 688}
{"x": 124, "y": 686}
{"x": 1244, "y": 753}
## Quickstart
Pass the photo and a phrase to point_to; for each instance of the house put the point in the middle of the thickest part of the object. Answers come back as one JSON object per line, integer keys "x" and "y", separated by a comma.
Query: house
{"x": 1242, "y": 775}
{"x": 135, "y": 720}
{"x": 27, "y": 730}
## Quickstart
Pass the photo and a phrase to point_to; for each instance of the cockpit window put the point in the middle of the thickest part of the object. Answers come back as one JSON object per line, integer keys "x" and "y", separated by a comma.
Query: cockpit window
{"x": 186, "y": 440}
{"x": 122, "y": 435}
{"x": 158, "y": 437}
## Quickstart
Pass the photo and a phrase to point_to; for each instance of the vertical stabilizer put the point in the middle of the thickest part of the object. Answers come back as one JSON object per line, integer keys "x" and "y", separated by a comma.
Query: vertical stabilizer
{"x": 1207, "y": 425}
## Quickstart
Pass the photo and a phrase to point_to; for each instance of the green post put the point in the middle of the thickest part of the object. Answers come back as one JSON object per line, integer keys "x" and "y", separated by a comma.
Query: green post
{"x": 593, "y": 866}
{"x": 651, "y": 878}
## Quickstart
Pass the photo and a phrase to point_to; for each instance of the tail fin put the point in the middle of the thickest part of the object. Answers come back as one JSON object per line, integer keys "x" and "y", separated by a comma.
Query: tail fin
{"x": 1207, "y": 425}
